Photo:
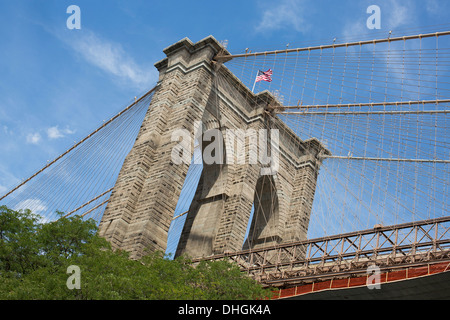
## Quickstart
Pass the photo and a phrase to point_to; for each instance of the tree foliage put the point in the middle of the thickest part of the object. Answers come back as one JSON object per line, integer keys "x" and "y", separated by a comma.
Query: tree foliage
{"x": 35, "y": 255}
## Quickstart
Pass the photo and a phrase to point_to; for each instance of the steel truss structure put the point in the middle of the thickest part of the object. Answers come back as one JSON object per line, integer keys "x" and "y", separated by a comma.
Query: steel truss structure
{"x": 346, "y": 255}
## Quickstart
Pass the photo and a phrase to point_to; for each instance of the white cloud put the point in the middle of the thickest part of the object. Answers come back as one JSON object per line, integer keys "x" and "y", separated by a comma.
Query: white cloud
{"x": 34, "y": 138}
{"x": 397, "y": 14}
{"x": 433, "y": 7}
{"x": 111, "y": 58}
{"x": 6, "y": 130}
{"x": 354, "y": 30}
{"x": 55, "y": 132}
{"x": 35, "y": 205}
{"x": 394, "y": 14}
{"x": 285, "y": 14}
{"x": 7, "y": 180}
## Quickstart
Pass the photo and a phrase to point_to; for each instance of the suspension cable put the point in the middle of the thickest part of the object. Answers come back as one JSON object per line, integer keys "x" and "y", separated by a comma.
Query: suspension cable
{"x": 225, "y": 58}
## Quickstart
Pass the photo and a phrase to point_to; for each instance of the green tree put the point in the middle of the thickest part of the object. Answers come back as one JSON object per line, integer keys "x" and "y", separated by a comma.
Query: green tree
{"x": 19, "y": 249}
{"x": 34, "y": 257}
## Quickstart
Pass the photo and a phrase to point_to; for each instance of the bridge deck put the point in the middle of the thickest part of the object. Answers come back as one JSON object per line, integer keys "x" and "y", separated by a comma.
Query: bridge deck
{"x": 348, "y": 256}
{"x": 427, "y": 282}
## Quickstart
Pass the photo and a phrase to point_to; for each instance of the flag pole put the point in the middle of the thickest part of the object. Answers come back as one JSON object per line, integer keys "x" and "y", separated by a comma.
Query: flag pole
{"x": 254, "y": 84}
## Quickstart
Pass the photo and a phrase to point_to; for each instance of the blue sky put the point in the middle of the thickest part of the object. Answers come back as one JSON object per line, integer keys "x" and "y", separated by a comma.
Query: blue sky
{"x": 57, "y": 85}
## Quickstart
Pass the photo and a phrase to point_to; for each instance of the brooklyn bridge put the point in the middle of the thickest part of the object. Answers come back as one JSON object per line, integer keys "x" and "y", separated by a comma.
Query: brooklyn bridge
{"x": 321, "y": 171}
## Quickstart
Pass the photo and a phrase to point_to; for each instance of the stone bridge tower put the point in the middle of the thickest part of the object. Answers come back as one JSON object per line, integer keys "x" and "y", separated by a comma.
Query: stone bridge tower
{"x": 194, "y": 89}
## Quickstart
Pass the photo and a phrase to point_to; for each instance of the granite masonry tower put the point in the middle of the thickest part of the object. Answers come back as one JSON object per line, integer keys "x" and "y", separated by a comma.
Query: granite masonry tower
{"x": 194, "y": 89}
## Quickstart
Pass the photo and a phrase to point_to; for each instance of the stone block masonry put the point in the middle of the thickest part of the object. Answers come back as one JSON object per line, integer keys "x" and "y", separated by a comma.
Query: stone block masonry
{"x": 193, "y": 88}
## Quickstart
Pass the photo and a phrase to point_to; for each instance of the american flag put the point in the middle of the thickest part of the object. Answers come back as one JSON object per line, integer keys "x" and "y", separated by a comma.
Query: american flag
{"x": 264, "y": 76}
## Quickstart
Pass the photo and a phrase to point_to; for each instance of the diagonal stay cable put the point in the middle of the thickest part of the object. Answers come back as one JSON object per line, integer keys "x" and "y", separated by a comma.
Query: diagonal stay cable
{"x": 79, "y": 143}
{"x": 90, "y": 201}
